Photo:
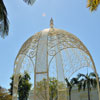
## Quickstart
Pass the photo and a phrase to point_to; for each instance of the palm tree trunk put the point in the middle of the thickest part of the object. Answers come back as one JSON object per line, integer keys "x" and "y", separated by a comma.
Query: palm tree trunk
{"x": 69, "y": 94}
{"x": 88, "y": 91}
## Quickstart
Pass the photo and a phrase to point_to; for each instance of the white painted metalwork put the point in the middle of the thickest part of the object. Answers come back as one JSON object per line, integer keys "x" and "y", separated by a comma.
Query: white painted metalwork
{"x": 65, "y": 50}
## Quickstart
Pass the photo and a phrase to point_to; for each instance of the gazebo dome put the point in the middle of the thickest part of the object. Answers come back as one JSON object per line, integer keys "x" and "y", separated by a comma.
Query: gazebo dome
{"x": 51, "y": 53}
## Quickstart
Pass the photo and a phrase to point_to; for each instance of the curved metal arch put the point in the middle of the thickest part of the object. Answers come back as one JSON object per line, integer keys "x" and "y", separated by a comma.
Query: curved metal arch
{"x": 26, "y": 56}
{"x": 97, "y": 78}
{"x": 29, "y": 39}
{"x": 77, "y": 70}
{"x": 62, "y": 50}
{"x": 59, "y": 52}
{"x": 71, "y": 38}
{"x": 15, "y": 76}
{"x": 94, "y": 68}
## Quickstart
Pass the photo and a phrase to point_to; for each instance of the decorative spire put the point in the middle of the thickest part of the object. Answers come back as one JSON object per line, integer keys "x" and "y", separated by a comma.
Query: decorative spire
{"x": 51, "y": 23}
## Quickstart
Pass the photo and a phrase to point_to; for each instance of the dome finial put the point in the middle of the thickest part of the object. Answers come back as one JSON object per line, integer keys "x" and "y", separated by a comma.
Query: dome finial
{"x": 51, "y": 23}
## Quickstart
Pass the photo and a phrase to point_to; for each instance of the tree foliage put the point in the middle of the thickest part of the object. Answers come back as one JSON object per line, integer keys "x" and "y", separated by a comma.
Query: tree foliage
{"x": 93, "y": 4}
{"x": 4, "y": 23}
{"x": 53, "y": 88}
{"x": 70, "y": 85}
{"x": 29, "y": 2}
{"x": 87, "y": 82}
{"x": 24, "y": 86}
{"x": 41, "y": 88}
{"x": 4, "y": 95}
{"x": 54, "y": 84}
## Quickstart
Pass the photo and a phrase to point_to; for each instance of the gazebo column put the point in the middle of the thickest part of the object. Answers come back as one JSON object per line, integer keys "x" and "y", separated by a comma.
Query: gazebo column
{"x": 41, "y": 77}
{"x": 15, "y": 87}
{"x": 16, "y": 77}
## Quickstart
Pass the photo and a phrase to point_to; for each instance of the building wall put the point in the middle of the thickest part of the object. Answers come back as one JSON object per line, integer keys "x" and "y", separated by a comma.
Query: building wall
{"x": 83, "y": 95}
{"x": 77, "y": 95}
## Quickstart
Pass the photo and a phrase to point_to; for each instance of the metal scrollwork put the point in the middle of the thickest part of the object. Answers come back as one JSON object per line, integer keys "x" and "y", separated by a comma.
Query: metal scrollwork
{"x": 68, "y": 52}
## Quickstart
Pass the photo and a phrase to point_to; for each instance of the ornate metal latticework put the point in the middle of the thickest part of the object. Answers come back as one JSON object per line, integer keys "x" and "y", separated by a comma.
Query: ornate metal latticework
{"x": 51, "y": 53}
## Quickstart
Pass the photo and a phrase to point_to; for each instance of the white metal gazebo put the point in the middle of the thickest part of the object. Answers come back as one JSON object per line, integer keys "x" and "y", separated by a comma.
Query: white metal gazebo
{"x": 47, "y": 50}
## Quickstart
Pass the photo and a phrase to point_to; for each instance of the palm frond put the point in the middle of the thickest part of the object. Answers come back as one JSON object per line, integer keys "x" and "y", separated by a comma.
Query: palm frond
{"x": 29, "y": 2}
{"x": 93, "y": 4}
{"x": 92, "y": 74}
{"x": 84, "y": 85}
{"x": 92, "y": 82}
{"x": 68, "y": 83}
{"x": 74, "y": 81}
{"x": 94, "y": 85}
{"x": 81, "y": 75}
{"x": 79, "y": 86}
{"x": 4, "y": 23}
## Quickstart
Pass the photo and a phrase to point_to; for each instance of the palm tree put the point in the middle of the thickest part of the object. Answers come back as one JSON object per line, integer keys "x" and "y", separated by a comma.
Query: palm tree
{"x": 93, "y": 4}
{"x": 30, "y": 2}
{"x": 87, "y": 81}
{"x": 4, "y": 22}
{"x": 70, "y": 84}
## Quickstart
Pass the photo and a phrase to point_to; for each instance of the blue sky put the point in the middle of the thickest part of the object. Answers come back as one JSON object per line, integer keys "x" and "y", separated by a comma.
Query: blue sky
{"x": 70, "y": 15}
